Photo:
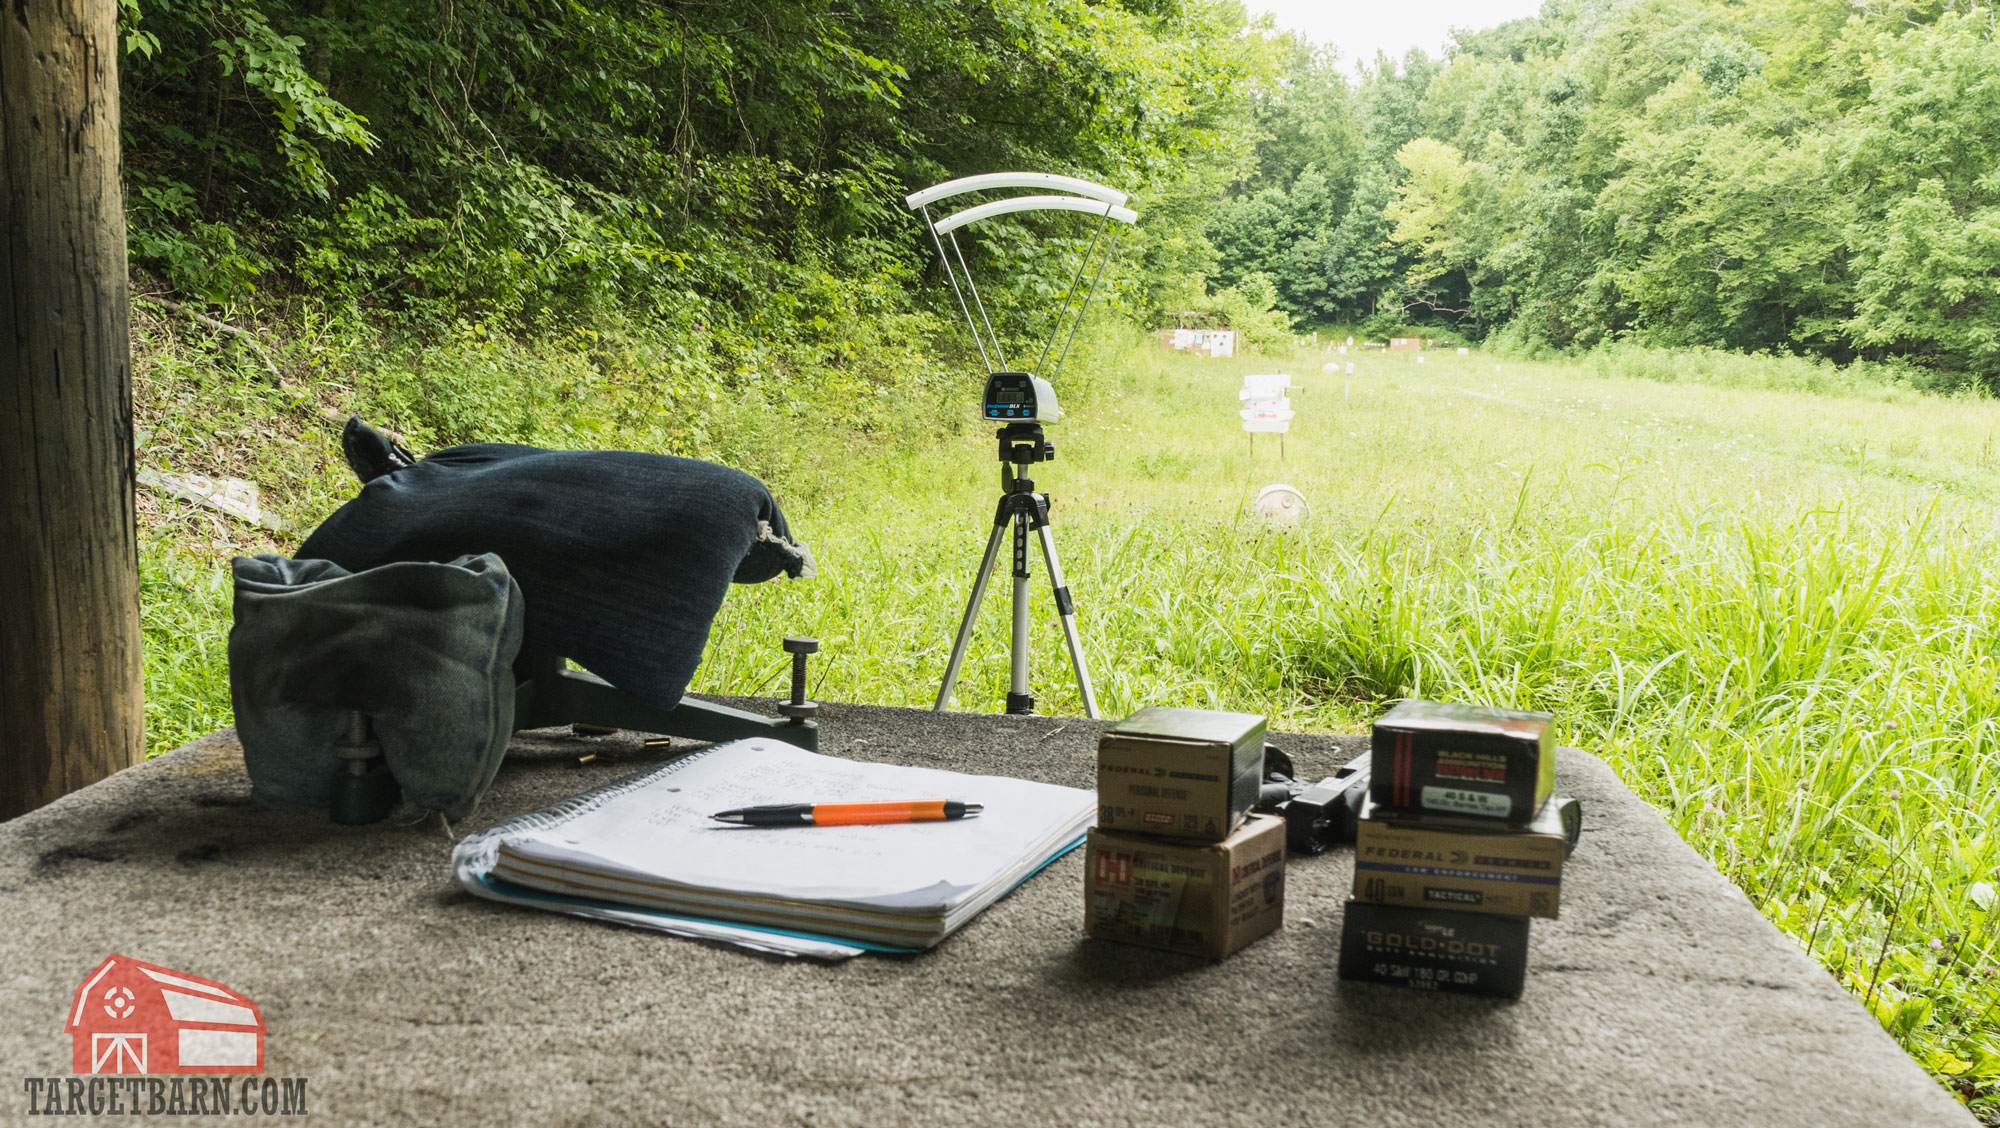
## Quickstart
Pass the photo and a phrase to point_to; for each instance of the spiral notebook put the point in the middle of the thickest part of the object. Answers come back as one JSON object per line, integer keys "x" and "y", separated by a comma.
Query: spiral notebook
{"x": 645, "y": 852}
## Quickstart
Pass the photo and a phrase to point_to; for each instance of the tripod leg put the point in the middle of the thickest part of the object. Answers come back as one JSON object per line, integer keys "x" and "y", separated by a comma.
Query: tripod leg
{"x": 1020, "y": 697}
{"x": 971, "y": 613}
{"x": 1067, "y": 609}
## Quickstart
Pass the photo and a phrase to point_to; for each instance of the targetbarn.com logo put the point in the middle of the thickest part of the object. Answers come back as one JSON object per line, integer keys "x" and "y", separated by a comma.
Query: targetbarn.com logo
{"x": 131, "y": 1022}
{"x": 134, "y": 1017}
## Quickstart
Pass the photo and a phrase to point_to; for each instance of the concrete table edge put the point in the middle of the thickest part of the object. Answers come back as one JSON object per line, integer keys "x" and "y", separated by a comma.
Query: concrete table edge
{"x": 1660, "y": 995}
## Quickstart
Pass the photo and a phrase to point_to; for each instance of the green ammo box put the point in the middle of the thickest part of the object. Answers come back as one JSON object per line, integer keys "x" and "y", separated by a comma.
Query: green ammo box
{"x": 1179, "y": 773}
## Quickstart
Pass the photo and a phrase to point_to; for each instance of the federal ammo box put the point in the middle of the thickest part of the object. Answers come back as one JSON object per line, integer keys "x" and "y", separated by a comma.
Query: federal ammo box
{"x": 1461, "y": 863}
{"x": 1434, "y": 949}
{"x": 1467, "y": 760}
{"x": 1185, "y": 773}
{"x": 1203, "y": 898}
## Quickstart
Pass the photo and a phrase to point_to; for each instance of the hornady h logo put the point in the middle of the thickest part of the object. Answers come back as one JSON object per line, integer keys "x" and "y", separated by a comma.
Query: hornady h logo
{"x": 130, "y": 1019}
{"x": 1114, "y": 869}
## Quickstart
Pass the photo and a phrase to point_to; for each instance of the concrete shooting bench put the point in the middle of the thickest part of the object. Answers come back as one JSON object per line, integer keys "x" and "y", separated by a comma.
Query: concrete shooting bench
{"x": 1660, "y": 996}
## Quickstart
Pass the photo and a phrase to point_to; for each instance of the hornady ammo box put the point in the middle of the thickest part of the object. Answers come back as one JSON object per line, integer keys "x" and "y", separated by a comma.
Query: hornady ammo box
{"x": 1467, "y": 760}
{"x": 1185, "y": 773}
{"x": 1203, "y": 898}
{"x": 1461, "y": 863}
{"x": 1434, "y": 949}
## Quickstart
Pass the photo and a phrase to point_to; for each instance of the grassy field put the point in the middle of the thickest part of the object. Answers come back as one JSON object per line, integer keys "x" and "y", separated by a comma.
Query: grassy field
{"x": 1760, "y": 590}
{"x": 1771, "y": 610}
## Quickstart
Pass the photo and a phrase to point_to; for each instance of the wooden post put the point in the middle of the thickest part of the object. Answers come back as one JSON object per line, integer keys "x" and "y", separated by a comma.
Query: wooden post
{"x": 70, "y": 707}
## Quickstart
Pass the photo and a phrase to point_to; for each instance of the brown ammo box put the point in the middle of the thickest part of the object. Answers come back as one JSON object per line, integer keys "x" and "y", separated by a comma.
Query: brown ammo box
{"x": 1469, "y": 864}
{"x": 1203, "y": 898}
{"x": 1184, "y": 773}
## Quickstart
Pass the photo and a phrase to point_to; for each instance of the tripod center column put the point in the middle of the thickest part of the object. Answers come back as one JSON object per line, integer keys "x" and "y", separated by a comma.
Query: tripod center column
{"x": 1020, "y": 697}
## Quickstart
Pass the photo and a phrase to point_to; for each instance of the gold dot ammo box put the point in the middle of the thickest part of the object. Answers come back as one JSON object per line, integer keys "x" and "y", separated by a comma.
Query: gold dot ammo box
{"x": 1434, "y": 949}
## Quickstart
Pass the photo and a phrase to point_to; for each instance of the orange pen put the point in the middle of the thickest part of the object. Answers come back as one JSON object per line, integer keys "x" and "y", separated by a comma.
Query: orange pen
{"x": 849, "y": 814}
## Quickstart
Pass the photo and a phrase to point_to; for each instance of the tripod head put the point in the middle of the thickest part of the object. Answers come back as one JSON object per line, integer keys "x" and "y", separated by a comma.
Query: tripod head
{"x": 1023, "y": 444}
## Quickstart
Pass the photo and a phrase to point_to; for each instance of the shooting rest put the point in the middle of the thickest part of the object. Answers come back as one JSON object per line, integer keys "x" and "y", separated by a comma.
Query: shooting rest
{"x": 548, "y": 694}
{"x": 576, "y": 568}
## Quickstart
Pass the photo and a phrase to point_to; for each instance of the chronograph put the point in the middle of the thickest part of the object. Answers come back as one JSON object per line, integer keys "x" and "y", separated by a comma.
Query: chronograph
{"x": 1018, "y": 397}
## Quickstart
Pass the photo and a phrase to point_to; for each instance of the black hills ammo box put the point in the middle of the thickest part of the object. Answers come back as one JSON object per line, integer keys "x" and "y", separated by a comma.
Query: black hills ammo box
{"x": 1464, "y": 760}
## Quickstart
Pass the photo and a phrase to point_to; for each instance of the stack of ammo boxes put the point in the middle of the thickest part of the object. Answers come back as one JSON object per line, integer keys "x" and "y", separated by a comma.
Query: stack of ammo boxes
{"x": 1459, "y": 843}
{"x": 1176, "y": 860}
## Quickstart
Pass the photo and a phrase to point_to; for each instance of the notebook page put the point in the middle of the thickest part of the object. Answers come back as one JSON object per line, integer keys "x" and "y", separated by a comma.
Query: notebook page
{"x": 661, "y": 830}
{"x": 754, "y": 939}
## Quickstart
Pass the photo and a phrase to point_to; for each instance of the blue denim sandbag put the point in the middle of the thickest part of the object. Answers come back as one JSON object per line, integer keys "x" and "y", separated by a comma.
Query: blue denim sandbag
{"x": 624, "y": 557}
{"x": 426, "y": 650}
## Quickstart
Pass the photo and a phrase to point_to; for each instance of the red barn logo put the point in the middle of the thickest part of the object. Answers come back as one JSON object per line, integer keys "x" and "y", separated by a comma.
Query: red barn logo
{"x": 133, "y": 1017}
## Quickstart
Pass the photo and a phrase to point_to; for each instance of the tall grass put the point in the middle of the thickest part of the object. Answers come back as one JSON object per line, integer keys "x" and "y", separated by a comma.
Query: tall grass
{"x": 184, "y": 614}
{"x": 1761, "y": 594}
{"x": 1769, "y": 608}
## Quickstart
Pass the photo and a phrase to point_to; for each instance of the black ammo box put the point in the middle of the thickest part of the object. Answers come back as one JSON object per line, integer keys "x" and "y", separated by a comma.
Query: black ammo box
{"x": 1434, "y": 949}
{"x": 1469, "y": 761}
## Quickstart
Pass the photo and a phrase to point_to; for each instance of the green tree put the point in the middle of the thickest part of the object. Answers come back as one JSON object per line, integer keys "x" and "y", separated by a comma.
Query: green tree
{"x": 1924, "y": 159}
{"x": 736, "y": 167}
{"x": 1430, "y": 214}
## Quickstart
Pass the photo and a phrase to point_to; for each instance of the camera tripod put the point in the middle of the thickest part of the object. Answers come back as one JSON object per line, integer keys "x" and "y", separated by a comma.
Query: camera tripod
{"x": 1021, "y": 509}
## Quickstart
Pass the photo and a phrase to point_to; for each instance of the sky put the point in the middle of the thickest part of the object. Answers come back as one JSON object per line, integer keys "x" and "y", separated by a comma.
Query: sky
{"x": 1360, "y": 29}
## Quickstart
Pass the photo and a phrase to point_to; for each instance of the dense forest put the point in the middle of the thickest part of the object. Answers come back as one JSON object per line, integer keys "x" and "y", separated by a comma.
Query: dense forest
{"x": 724, "y": 180}
{"x": 1811, "y": 176}
{"x": 1785, "y": 175}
